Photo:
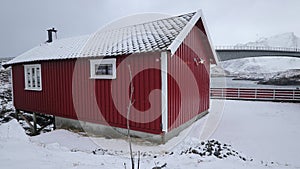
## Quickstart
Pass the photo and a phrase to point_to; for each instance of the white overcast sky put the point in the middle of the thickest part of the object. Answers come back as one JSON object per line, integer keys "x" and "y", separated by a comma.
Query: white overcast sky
{"x": 24, "y": 22}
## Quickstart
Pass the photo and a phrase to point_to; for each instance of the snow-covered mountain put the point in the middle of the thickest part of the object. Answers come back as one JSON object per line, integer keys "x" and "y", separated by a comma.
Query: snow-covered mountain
{"x": 287, "y": 40}
{"x": 263, "y": 65}
{"x": 259, "y": 65}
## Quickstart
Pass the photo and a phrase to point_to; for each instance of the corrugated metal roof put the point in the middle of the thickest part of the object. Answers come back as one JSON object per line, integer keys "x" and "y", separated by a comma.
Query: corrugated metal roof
{"x": 159, "y": 35}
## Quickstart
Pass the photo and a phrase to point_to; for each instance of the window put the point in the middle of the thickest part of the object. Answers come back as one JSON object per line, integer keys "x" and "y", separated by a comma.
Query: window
{"x": 103, "y": 68}
{"x": 33, "y": 77}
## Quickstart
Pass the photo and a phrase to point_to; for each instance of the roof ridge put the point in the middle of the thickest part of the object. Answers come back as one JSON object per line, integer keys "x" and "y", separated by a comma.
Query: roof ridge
{"x": 123, "y": 27}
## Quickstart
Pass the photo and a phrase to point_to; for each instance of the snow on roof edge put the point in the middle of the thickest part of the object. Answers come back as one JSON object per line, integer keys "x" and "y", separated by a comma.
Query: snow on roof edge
{"x": 7, "y": 64}
{"x": 17, "y": 60}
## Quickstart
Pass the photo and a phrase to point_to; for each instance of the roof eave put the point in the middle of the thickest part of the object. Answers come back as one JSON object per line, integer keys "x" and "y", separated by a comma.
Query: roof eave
{"x": 215, "y": 56}
{"x": 5, "y": 65}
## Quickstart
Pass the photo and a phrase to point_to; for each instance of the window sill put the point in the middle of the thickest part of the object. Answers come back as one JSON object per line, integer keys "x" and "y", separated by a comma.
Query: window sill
{"x": 103, "y": 78}
{"x": 30, "y": 89}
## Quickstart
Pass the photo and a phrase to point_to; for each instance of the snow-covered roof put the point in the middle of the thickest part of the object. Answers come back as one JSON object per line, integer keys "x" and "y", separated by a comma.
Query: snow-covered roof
{"x": 159, "y": 35}
{"x": 59, "y": 49}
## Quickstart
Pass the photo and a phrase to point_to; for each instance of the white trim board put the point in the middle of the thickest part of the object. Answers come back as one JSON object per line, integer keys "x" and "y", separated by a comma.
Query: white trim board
{"x": 164, "y": 91}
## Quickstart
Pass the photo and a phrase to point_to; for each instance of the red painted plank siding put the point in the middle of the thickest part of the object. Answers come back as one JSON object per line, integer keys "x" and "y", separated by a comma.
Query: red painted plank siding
{"x": 188, "y": 83}
{"x": 68, "y": 91}
{"x": 51, "y": 100}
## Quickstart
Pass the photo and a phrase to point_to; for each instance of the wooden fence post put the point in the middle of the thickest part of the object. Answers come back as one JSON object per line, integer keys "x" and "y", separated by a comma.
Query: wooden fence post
{"x": 17, "y": 114}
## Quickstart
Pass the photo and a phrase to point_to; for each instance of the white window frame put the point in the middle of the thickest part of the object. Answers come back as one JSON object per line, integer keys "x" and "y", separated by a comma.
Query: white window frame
{"x": 35, "y": 78}
{"x": 94, "y": 62}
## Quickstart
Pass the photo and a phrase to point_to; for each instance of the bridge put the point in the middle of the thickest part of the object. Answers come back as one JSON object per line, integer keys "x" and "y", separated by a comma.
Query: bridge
{"x": 238, "y": 52}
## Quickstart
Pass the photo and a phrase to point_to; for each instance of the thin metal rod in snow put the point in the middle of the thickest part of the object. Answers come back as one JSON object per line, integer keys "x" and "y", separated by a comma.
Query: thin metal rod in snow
{"x": 128, "y": 115}
{"x": 139, "y": 158}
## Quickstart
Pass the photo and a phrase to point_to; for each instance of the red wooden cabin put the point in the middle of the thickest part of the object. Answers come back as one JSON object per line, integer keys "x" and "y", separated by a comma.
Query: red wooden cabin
{"x": 87, "y": 78}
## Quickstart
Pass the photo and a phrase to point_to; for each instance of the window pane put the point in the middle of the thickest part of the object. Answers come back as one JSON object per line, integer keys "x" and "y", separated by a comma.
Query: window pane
{"x": 103, "y": 69}
{"x": 33, "y": 77}
{"x": 28, "y": 77}
{"x": 38, "y": 78}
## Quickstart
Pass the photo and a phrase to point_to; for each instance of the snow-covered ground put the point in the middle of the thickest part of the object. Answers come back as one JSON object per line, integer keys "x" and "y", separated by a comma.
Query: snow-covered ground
{"x": 260, "y": 134}
{"x": 264, "y": 130}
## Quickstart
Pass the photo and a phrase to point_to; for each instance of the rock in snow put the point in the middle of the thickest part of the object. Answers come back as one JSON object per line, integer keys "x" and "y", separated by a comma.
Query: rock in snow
{"x": 213, "y": 148}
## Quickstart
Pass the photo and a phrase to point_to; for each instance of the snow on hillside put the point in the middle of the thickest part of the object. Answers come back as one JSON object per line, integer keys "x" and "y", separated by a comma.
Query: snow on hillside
{"x": 286, "y": 40}
{"x": 6, "y": 107}
{"x": 248, "y": 136}
{"x": 290, "y": 77}
{"x": 287, "y": 74}
{"x": 260, "y": 65}
{"x": 218, "y": 70}
{"x": 291, "y": 73}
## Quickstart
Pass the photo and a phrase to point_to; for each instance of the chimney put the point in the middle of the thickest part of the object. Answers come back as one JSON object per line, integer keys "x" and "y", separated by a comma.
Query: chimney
{"x": 50, "y": 38}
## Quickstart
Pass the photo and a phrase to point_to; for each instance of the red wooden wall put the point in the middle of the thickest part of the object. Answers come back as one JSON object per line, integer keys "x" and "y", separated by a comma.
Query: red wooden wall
{"x": 188, "y": 96}
{"x": 68, "y": 91}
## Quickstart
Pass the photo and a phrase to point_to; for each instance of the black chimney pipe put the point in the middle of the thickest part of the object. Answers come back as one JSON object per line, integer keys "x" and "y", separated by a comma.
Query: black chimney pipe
{"x": 50, "y": 38}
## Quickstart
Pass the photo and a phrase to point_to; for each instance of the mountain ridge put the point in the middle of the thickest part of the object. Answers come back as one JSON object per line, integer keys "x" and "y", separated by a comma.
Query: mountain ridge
{"x": 286, "y": 40}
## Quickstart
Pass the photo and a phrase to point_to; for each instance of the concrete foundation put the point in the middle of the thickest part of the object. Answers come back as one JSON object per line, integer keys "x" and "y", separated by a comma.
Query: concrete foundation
{"x": 115, "y": 132}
